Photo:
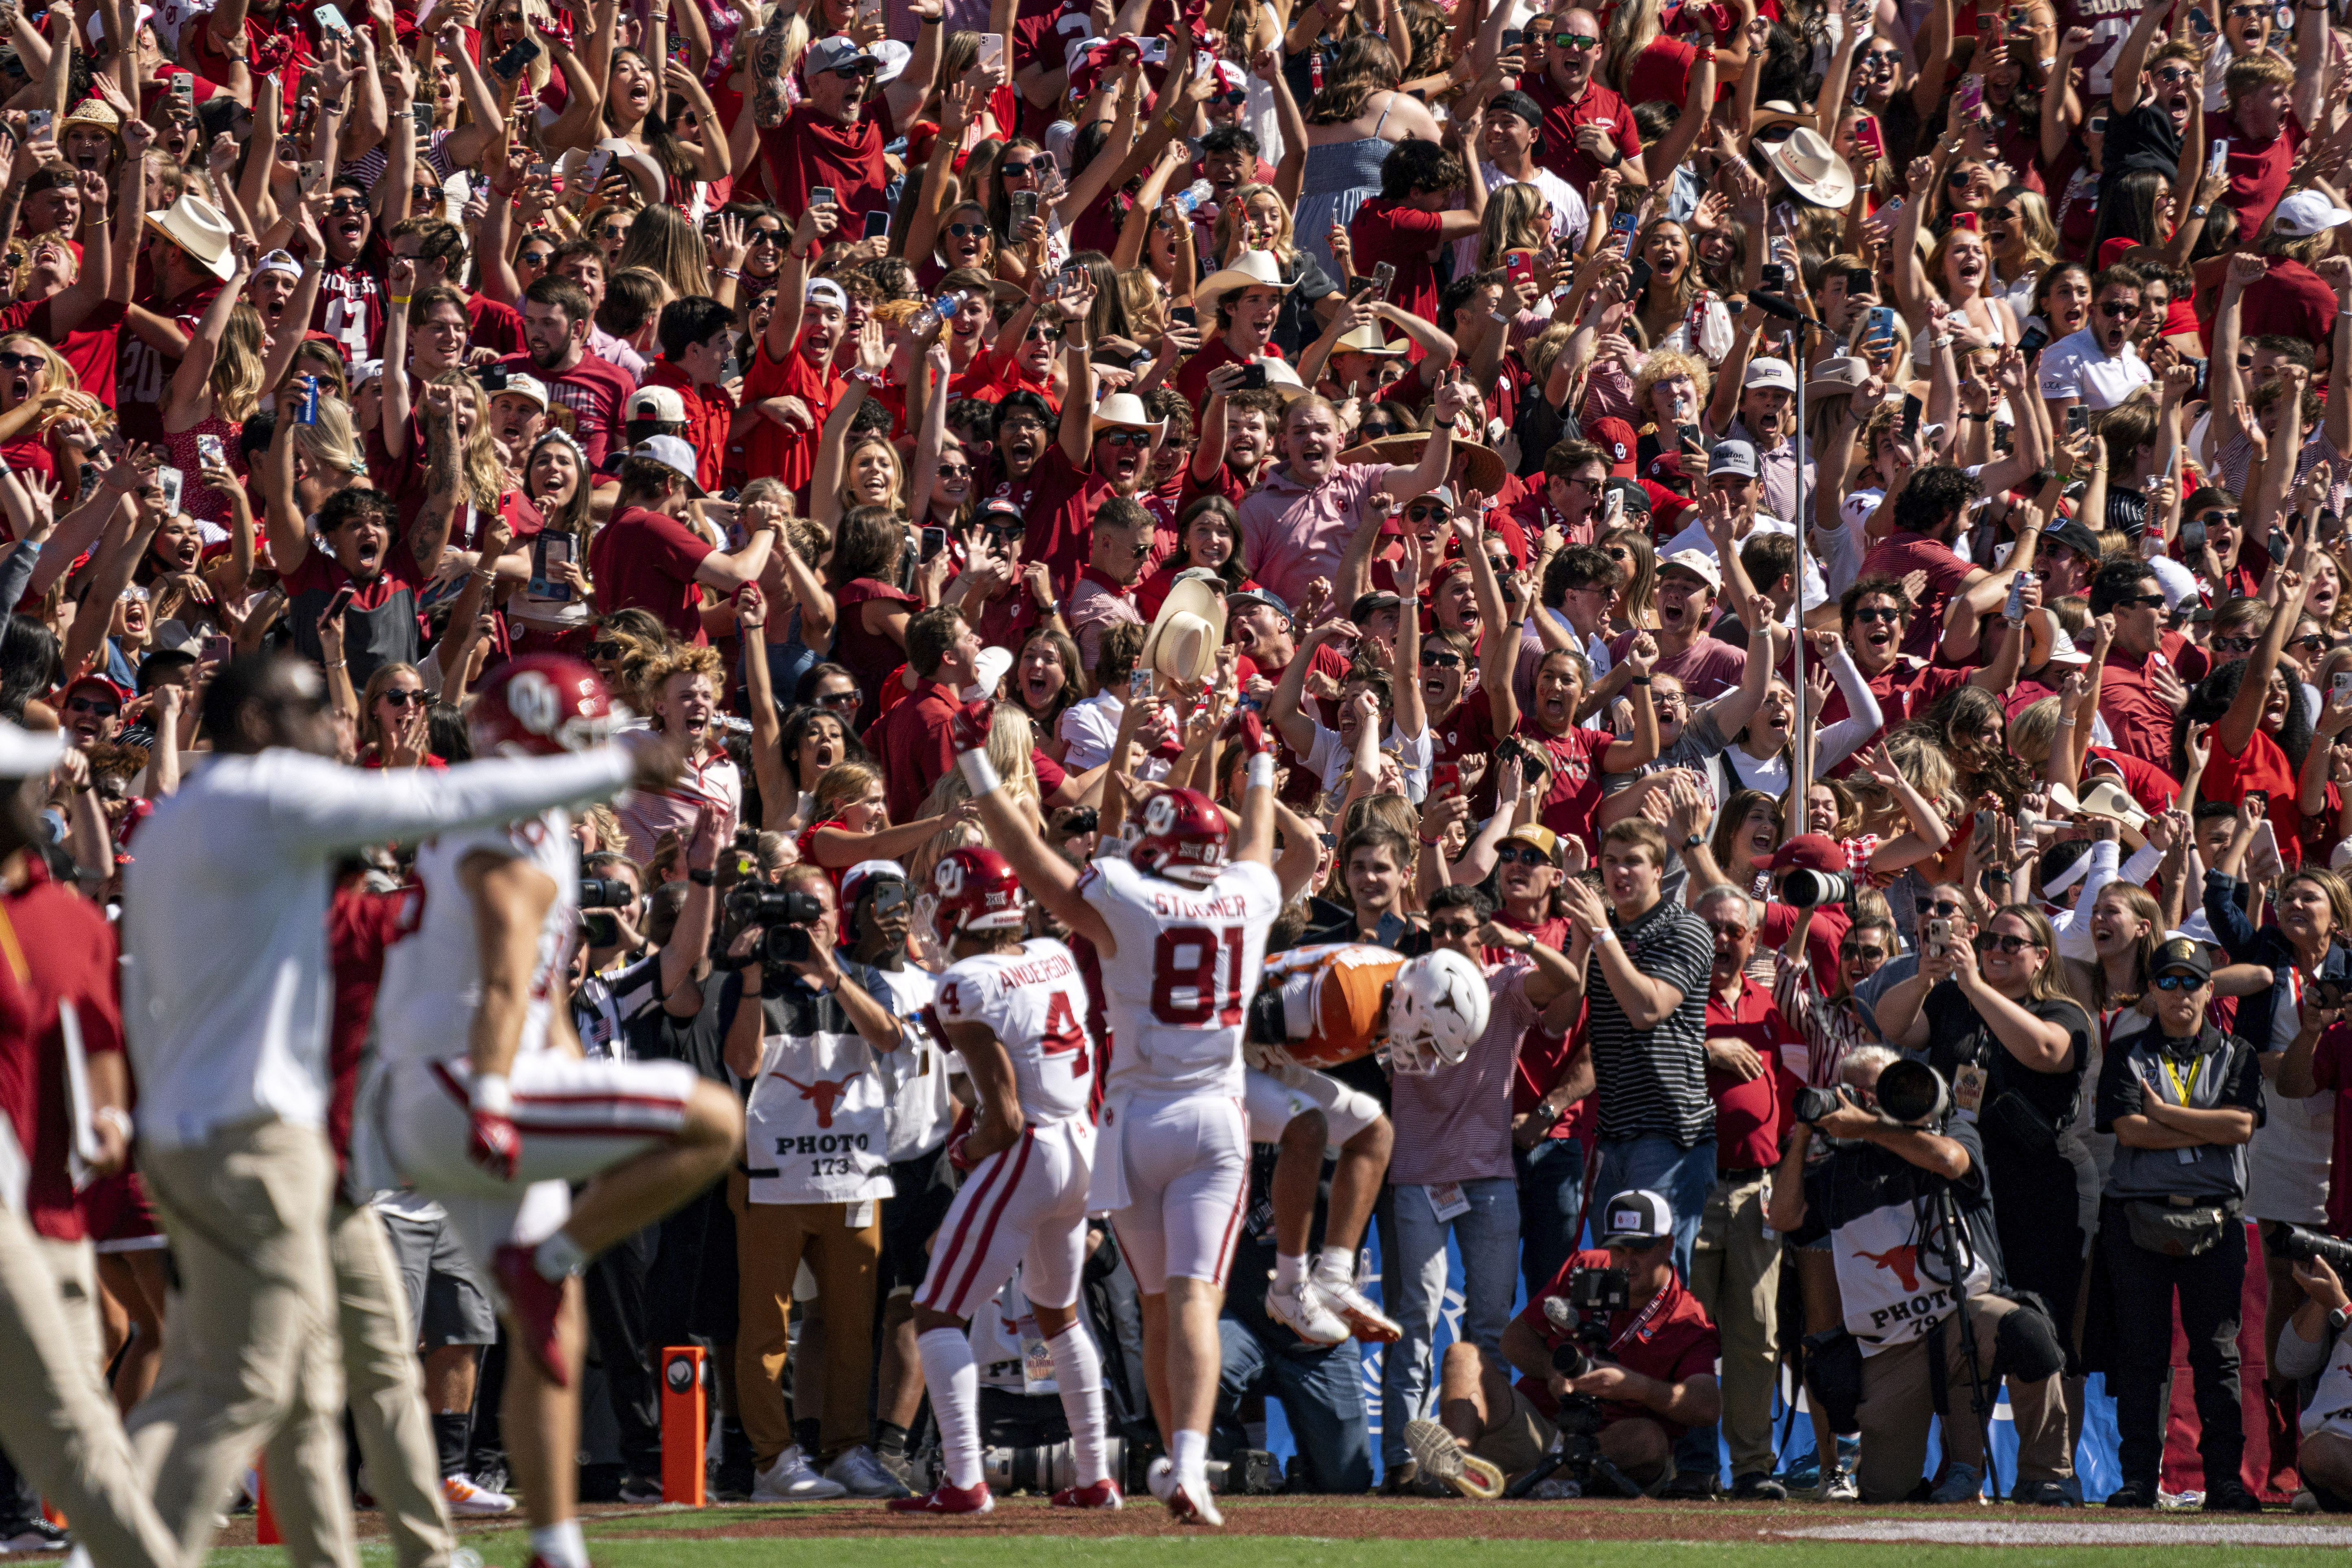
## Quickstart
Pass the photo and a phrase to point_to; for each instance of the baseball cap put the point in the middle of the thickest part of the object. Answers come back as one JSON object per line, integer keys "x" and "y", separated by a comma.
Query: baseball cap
{"x": 2069, "y": 534}
{"x": 1769, "y": 372}
{"x": 1697, "y": 563}
{"x": 1372, "y": 603}
{"x": 1809, "y": 852}
{"x": 836, "y": 52}
{"x": 274, "y": 260}
{"x": 1542, "y": 837}
{"x": 2180, "y": 954}
{"x": 1731, "y": 458}
{"x": 2307, "y": 212}
{"x": 1267, "y": 596}
{"x": 1518, "y": 103}
{"x": 1616, "y": 440}
{"x": 1637, "y": 1218}
{"x": 673, "y": 454}
{"x": 1437, "y": 493}
{"x": 827, "y": 290}
{"x": 528, "y": 387}
{"x": 857, "y": 875}
{"x": 658, "y": 403}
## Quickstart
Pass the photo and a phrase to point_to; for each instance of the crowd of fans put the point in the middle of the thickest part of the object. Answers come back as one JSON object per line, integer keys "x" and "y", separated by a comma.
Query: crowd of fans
{"x": 1827, "y": 522}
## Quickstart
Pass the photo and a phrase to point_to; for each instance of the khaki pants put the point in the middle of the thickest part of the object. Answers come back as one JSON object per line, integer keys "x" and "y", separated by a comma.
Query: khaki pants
{"x": 250, "y": 1363}
{"x": 1897, "y": 1402}
{"x": 387, "y": 1391}
{"x": 74, "y": 1266}
{"x": 57, "y": 1421}
{"x": 770, "y": 1240}
{"x": 1735, "y": 1275}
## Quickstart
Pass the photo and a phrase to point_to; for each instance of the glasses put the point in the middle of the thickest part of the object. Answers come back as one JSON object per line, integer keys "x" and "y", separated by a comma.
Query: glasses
{"x": 343, "y": 204}
{"x": 2149, "y": 602}
{"x": 1873, "y": 954}
{"x": 423, "y": 192}
{"x": 1881, "y": 60}
{"x": 2178, "y": 981}
{"x": 1521, "y": 855}
{"x": 536, "y": 259}
{"x": 1125, "y": 437}
{"x": 614, "y": 231}
{"x": 1050, "y": 334}
{"x": 1577, "y": 43}
{"x": 2003, "y": 214}
{"x": 1231, "y": 99}
{"x": 21, "y": 362}
{"x": 2173, "y": 74}
{"x": 856, "y": 68}
{"x": 103, "y": 707}
{"x": 760, "y": 237}
{"x": 1453, "y": 931}
{"x": 1869, "y": 613}
{"x": 1944, "y": 908}
{"x": 1374, "y": 429}
{"x": 1420, "y": 512}
{"x": 1025, "y": 170}
{"x": 415, "y": 699}
{"x": 597, "y": 650}
{"x": 2234, "y": 645}
{"x": 1734, "y": 930}
{"x": 2009, "y": 944}
{"x": 2217, "y": 519}
{"x": 959, "y": 471}
{"x": 2116, "y": 310}
{"x": 849, "y": 699}
{"x": 966, "y": 230}
{"x": 1440, "y": 658}
{"x": 1958, "y": 179}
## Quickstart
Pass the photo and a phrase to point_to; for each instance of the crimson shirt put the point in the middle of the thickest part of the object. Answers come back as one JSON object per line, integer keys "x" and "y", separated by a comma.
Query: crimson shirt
{"x": 917, "y": 739}
{"x": 1750, "y": 1114}
{"x": 2141, "y": 721}
{"x": 1192, "y": 381}
{"x": 1901, "y": 553}
{"x": 1403, "y": 235}
{"x": 648, "y": 560}
{"x": 1671, "y": 1343}
{"x": 1596, "y": 105}
{"x": 1904, "y": 692}
{"x": 1063, "y": 501}
{"x": 92, "y": 348}
{"x": 768, "y": 448}
{"x": 2258, "y": 176}
{"x": 708, "y": 411}
{"x": 61, "y": 950}
{"x": 595, "y": 391}
{"x": 2291, "y": 302}
{"x": 809, "y": 150}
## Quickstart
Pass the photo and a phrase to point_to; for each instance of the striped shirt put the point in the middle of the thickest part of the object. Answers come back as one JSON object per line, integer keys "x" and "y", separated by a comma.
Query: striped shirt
{"x": 1655, "y": 1080}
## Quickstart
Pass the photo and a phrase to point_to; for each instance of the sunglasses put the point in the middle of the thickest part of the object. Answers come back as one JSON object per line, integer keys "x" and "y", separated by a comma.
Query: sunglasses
{"x": 1125, "y": 437}
{"x": 415, "y": 699}
{"x": 856, "y": 68}
{"x": 1453, "y": 931}
{"x": 1375, "y": 429}
{"x": 1735, "y": 929}
{"x": 603, "y": 650}
{"x": 1882, "y": 60}
{"x": 343, "y": 204}
{"x": 2310, "y": 642}
{"x": 1943, "y": 907}
{"x": 2234, "y": 645}
{"x": 1421, "y": 511}
{"x": 2172, "y": 74}
{"x": 1988, "y": 941}
{"x": 2003, "y": 214}
{"x": 1521, "y": 855}
{"x": 1050, "y": 334}
{"x": 1230, "y": 100}
{"x": 1958, "y": 179}
{"x": 614, "y": 231}
{"x": 2218, "y": 519}
{"x": 2178, "y": 981}
{"x": 1576, "y": 43}
{"x": 1440, "y": 658}
{"x": 959, "y": 471}
{"x": 538, "y": 260}
{"x": 966, "y": 230}
{"x": 1022, "y": 170}
{"x": 21, "y": 362}
{"x": 102, "y": 708}
{"x": 849, "y": 699}
{"x": 2116, "y": 310}
{"x": 1848, "y": 950}
{"x": 2149, "y": 602}
{"x": 1870, "y": 612}
{"x": 767, "y": 236}
{"x": 423, "y": 192}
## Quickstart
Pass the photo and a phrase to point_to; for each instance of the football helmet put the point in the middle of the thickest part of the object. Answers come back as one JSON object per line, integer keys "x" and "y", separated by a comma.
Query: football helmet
{"x": 1179, "y": 834}
{"x": 540, "y": 705}
{"x": 975, "y": 890}
{"x": 1438, "y": 1004}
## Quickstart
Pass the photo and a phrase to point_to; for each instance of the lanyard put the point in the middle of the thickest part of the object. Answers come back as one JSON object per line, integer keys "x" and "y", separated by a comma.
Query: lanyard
{"x": 2184, "y": 1091}
{"x": 1634, "y": 1330}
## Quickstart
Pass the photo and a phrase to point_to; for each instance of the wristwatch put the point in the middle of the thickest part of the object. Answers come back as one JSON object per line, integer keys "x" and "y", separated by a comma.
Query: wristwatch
{"x": 2340, "y": 1319}
{"x": 1693, "y": 842}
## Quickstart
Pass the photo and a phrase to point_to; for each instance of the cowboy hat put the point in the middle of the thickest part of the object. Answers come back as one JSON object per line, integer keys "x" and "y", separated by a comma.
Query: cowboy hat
{"x": 1369, "y": 339}
{"x": 1126, "y": 408}
{"x": 1283, "y": 381}
{"x": 196, "y": 227}
{"x": 641, "y": 169}
{"x": 1187, "y": 632}
{"x": 1251, "y": 269}
{"x": 1812, "y": 168}
{"x": 1778, "y": 112}
{"x": 1842, "y": 372}
{"x": 2105, "y": 798}
{"x": 1486, "y": 475}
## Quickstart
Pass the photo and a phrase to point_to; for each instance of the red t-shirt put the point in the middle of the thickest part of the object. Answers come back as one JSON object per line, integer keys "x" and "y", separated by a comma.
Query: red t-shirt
{"x": 1750, "y": 1114}
{"x": 2331, "y": 1067}
{"x": 142, "y": 374}
{"x": 1192, "y": 381}
{"x": 1668, "y": 1338}
{"x": 917, "y": 737}
{"x": 648, "y": 560}
{"x": 2141, "y": 721}
{"x": 808, "y": 149}
{"x": 360, "y": 926}
{"x": 708, "y": 411}
{"x": 2258, "y": 176}
{"x": 493, "y": 326}
{"x": 92, "y": 348}
{"x": 2262, "y": 766}
{"x": 596, "y": 392}
{"x": 1403, "y": 235}
{"x": 68, "y": 955}
{"x": 2291, "y": 302}
{"x": 1063, "y": 501}
{"x": 769, "y": 449}
{"x": 1904, "y": 692}
{"x": 1898, "y": 555}
{"x": 1574, "y": 792}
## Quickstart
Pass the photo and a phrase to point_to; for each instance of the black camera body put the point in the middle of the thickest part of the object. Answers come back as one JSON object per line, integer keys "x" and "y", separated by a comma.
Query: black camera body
{"x": 595, "y": 893}
{"x": 786, "y": 913}
{"x": 2300, "y": 1244}
{"x": 1594, "y": 1297}
{"x": 1812, "y": 1104}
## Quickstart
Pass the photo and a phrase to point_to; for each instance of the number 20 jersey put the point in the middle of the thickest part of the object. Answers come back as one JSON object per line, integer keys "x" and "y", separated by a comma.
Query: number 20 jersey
{"x": 1035, "y": 1000}
{"x": 1188, "y": 961}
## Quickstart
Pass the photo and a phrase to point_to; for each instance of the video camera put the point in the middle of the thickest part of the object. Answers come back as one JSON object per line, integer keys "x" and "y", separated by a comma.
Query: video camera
{"x": 1594, "y": 1297}
{"x": 598, "y": 893}
{"x": 785, "y": 913}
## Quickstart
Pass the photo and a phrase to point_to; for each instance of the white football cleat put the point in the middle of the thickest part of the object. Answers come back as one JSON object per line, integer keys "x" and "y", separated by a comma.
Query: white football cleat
{"x": 1355, "y": 1308}
{"x": 1300, "y": 1308}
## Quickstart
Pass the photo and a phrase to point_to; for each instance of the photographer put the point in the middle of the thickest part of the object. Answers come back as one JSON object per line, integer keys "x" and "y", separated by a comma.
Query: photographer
{"x": 2183, "y": 1099}
{"x": 1993, "y": 1017}
{"x": 821, "y": 1053}
{"x": 1652, "y": 1365}
{"x": 1888, "y": 1192}
{"x": 2314, "y": 1345}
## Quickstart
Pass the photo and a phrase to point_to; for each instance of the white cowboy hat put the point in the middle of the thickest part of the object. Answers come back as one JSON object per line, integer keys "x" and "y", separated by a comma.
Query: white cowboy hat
{"x": 641, "y": 169}
{"x": 1369, "y": 339}
{"x": 2105, "y": 798}
{"x": 1812, "y": 168}
{"x": 1126, "y": 408}
{"x": 1252, "y": 269}
{"x": 196, "y": 227}
{"x": 1187, "y": 632}
{"x": 1283, "y": 381}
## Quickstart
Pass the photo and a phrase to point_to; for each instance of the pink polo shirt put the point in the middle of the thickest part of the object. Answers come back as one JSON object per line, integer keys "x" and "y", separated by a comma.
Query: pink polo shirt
{"x": 1292, "y": 534}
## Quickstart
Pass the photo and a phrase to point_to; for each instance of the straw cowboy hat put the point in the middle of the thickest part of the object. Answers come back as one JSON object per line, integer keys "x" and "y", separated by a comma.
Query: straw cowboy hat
{"x": 1253, "y": 269}
{"x": 1486, "y": 471}
{"x": 1812, "y": 168}
{"x": 1369, "y": 339}
{"x": 1191, "y": 626}
{"x": 196, "y": 227}
{"x": 2105, "y": 798}
{"x": 1126, "y": 408}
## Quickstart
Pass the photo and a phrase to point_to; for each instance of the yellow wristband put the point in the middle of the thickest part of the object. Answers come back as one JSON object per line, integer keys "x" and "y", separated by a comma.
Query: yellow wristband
{"x": 402, "y": 299}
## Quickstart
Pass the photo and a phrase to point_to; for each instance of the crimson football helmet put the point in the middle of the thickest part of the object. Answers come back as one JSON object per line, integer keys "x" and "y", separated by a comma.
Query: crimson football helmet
{"x": 975, "y": 890}
{"x": 540, "y": 705}
{"x": 1179, "y": 834}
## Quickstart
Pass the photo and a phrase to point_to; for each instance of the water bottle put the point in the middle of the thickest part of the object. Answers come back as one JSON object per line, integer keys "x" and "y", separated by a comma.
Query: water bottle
{"x": 938, "y": 310}
{"x": 1190, "y": 200}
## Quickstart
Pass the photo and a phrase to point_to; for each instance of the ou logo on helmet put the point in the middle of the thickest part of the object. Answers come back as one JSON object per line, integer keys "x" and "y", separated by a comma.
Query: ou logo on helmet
{"x": 533, "y": 699}
{"x": 949, "y": 878}
{"x": 1159, "y": 813}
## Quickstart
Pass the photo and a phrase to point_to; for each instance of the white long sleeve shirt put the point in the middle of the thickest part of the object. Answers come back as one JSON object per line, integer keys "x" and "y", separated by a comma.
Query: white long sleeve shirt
{"x": 226, "y": 983}
{"x": 2073, "y": 926}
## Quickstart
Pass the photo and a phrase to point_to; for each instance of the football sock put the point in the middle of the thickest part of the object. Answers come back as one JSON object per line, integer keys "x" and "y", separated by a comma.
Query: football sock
{"x": 1078, "y": 1371}
{"x": 954, "y": 1383}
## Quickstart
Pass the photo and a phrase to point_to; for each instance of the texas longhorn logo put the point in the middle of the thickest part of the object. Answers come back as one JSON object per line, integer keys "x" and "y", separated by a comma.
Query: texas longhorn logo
{"x": 826, "y": 1094}
{"x": 1904, "y": 1260}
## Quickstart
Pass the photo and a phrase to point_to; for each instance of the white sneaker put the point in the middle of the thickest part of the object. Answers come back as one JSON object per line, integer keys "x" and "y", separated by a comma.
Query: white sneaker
{"x": 1840, "y": 1486}
{"x": 1188, "y": 1498}
{"x": 463, "y": 1497}
{"x": 1300, "y": 1310}
{"x": 1355, "y": 1308}
{"x": 1443, "y": 1458}
{"x": 860, "y": 1474}
{"x": 790, "y": 1479}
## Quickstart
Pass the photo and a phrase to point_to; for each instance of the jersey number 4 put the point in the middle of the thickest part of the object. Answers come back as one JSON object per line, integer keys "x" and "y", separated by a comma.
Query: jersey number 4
{"x": 1184, "y": 988}
{"x": 1063, "y": 1036}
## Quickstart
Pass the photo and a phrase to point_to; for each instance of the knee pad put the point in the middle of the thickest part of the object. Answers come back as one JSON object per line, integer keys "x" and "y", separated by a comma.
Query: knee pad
{"x": 2026, "y": 1345}
{"x": 1833, "y": 1376}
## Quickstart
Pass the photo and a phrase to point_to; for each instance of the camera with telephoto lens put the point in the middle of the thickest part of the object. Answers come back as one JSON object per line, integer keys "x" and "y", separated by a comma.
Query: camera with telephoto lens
{"x": 1807, "y": 889}
{"x": 1594, "y": 1297}
{"x": 1812, "y": 1104}
{"x": 2300, "y": 1243}
{"x": 786, "y": 913}
{"x": 1912, "y": 1094}
{"x": 596, "y": 893}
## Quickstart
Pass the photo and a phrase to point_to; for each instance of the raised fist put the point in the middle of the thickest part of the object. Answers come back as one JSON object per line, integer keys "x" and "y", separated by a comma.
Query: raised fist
{"x": 973, "y": 722}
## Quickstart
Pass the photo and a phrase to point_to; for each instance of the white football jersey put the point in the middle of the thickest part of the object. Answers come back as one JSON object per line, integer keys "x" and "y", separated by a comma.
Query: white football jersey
{"x": 1188, "y": 961}
{"x": 1034, "y": 1001}
{"x": 432, "y": 973}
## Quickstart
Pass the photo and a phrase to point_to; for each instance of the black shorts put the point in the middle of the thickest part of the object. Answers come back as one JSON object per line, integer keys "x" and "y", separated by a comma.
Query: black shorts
{"x": 926, "y": 1184}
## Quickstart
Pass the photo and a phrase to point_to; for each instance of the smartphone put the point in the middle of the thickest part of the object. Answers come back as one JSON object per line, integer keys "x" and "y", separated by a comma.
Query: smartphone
{"x": 2219, "y": 158}
{"x": 1939, "y": 931}
{"x": 330, "y": 20}
{"x": 1513, "y": 37}
{"x": 1969, "y": 221}
{"x": 1637, "y": 278}
{"x": 2078, "y": 419}
{"x": 2264, "y": 851}
{"x": 508, "y": 65}
{"x": 1970, "y": 101}
{"x": 934, "y": 540}
{"x": 1621, "y": 232}
{"x": 217, "y": 649}
{"x": 1446, "y": 778}
{"x": 1520, "y": 269}
{"x": 1882, "y": 322}
{"x": 1253, "y": 378}
{"x": 340, "y": 602}
{"x": 184, "y": 94}
{"x": 2199, "y": 23}
{"x": 1860, "y": 281}
{"x": 1910, "y": 416}
{"x": 1383, "y": 275}
{"x": 421, "y": 114}
{"x": 592, "y": 174}
{"x": 1185, "y": 316}
{"x": 1024, "y": 207}
{"x": 2192, "y": 535}
{"x": 171, "y": 482}
{"x": 2339, "y": 685}
{"x": 878, "y": 225}
{"x": 1867, "y": 137}
{"x": 869, "y": 13}
{"x": 1772, "y": 278}
{"x": 37, "y": 120}
{"x": 311, "y": 173}
{"x": 1154, "y": 51}
{"x": 2033, "y": 340}
{"x": 2013, "y": 24}
{"x": 992, "y": 53}
{"x": 550, "y": 550}
{"x": 822, "y": 196}
{"x": 1139, "y": 684}
{"x": 210, "y": 450}
{"x": 2014, "y": 610}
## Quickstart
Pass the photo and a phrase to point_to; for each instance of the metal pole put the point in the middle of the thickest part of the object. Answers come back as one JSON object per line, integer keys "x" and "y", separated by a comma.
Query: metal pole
{"x": 1800, "y": 742}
